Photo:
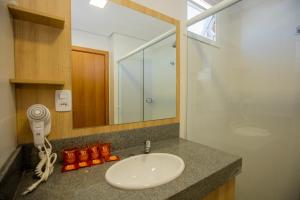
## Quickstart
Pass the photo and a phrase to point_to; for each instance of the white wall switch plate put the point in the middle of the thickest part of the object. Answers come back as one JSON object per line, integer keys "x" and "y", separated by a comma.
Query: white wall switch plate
{"x": 63, "y": 100}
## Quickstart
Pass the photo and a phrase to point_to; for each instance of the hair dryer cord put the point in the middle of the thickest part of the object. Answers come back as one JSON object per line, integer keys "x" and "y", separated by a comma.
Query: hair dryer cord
{"x": 45, "y": 167}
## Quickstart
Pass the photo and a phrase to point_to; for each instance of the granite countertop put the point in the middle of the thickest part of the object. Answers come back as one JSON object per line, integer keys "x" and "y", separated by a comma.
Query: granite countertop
{"x": 205, "y": 170}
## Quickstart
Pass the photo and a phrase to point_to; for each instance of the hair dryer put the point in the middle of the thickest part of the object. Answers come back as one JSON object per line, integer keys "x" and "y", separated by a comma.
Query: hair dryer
{"x": 40, "y": 123}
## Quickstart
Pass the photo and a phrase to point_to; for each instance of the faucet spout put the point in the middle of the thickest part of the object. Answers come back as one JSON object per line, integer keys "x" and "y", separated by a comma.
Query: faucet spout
{"x": 147, "y": 148}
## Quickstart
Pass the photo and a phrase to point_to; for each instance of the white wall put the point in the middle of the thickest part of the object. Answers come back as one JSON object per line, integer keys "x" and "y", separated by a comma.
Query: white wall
{"x": 8, "y": 141}
{"x": 90, "y": 40}
{"x": 244, "y": 97}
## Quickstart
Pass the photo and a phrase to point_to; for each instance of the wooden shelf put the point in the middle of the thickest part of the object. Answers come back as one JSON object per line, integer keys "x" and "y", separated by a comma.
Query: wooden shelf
{"x": 36, "y": 17}
{"x": 36, "y": 82}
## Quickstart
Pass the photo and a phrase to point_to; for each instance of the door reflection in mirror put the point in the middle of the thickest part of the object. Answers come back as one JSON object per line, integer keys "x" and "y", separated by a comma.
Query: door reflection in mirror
{"x": 139, "y": 83}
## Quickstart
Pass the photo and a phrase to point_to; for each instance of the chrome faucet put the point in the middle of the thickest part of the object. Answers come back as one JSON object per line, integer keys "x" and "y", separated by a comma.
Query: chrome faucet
{"x": 147, "y": 148}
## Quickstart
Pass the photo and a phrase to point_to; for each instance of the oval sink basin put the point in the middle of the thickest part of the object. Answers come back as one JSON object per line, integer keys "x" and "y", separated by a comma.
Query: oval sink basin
{"x": 144, "y": 171}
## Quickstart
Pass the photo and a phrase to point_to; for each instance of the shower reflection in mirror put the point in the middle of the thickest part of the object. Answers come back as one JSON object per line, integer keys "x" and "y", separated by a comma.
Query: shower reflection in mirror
{"x": 122, "y": 70}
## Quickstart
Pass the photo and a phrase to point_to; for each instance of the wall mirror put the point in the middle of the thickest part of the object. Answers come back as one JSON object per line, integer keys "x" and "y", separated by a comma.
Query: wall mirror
{"x": 123, "y": 65}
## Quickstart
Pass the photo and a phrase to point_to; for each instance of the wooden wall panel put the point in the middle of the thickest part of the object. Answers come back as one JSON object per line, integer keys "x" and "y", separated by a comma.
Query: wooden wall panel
{"x": 43, "y": 52}
{"x": 224, "y": 192}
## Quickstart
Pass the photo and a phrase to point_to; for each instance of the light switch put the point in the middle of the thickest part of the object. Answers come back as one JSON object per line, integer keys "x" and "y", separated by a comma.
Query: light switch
{"x": 63, "y": 100}
{"x": 62, "y": 95}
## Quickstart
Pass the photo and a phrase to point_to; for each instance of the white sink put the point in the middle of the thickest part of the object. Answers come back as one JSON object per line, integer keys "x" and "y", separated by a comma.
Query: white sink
{"x": 144, "y": 171}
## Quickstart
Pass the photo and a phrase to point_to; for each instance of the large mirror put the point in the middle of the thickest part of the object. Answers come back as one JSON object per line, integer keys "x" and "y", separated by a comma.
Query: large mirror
{"x": 123, "y": 65}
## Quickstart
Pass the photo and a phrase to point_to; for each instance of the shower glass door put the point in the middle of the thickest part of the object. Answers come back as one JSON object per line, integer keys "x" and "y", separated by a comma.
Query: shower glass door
{"x": 160, "y": 80}
{"x": 131, "y": 89}
{"x": 147, "y": 83}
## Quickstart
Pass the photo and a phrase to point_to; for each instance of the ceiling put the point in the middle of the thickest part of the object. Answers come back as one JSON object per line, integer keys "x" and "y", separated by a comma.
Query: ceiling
{"x": 213, "y": 2}
{"x": 115, "y": 19}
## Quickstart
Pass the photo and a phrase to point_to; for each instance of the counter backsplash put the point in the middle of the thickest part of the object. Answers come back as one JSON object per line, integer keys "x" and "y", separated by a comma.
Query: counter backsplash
{"x": 119, "y": 140}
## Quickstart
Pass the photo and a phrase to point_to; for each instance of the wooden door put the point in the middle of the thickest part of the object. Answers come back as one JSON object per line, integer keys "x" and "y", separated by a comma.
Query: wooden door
{"x": 89, "y": 87}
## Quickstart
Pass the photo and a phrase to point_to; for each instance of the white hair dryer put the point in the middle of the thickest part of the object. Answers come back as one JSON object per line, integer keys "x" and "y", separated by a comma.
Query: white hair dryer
{"x": 40, "y": 123}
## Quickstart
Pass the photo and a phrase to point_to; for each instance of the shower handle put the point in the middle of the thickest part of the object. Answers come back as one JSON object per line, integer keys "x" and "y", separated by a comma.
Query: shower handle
{"x": 148, "y": 100}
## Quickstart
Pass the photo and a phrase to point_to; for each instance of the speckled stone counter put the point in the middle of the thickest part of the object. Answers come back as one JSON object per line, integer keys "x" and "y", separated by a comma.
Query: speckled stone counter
{"x": 205, "y": 170}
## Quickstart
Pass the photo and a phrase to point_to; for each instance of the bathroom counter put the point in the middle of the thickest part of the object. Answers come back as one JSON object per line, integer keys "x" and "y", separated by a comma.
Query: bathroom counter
{"x": 205, "y": 170}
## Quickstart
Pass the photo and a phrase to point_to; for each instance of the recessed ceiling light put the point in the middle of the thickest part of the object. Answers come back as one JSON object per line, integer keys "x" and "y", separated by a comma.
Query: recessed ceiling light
{"x": 98, "y": 3}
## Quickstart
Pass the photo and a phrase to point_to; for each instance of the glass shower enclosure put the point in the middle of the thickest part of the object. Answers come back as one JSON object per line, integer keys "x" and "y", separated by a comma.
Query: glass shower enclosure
{"x": 244, "y": 95}
{"x": 147, "y": 83}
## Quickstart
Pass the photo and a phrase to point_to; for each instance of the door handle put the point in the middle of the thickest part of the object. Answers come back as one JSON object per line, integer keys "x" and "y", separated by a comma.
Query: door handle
{"x": 148, "y": 100}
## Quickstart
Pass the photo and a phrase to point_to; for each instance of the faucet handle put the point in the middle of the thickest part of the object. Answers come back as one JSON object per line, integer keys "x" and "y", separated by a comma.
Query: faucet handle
{"x": 147, "y": 146}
